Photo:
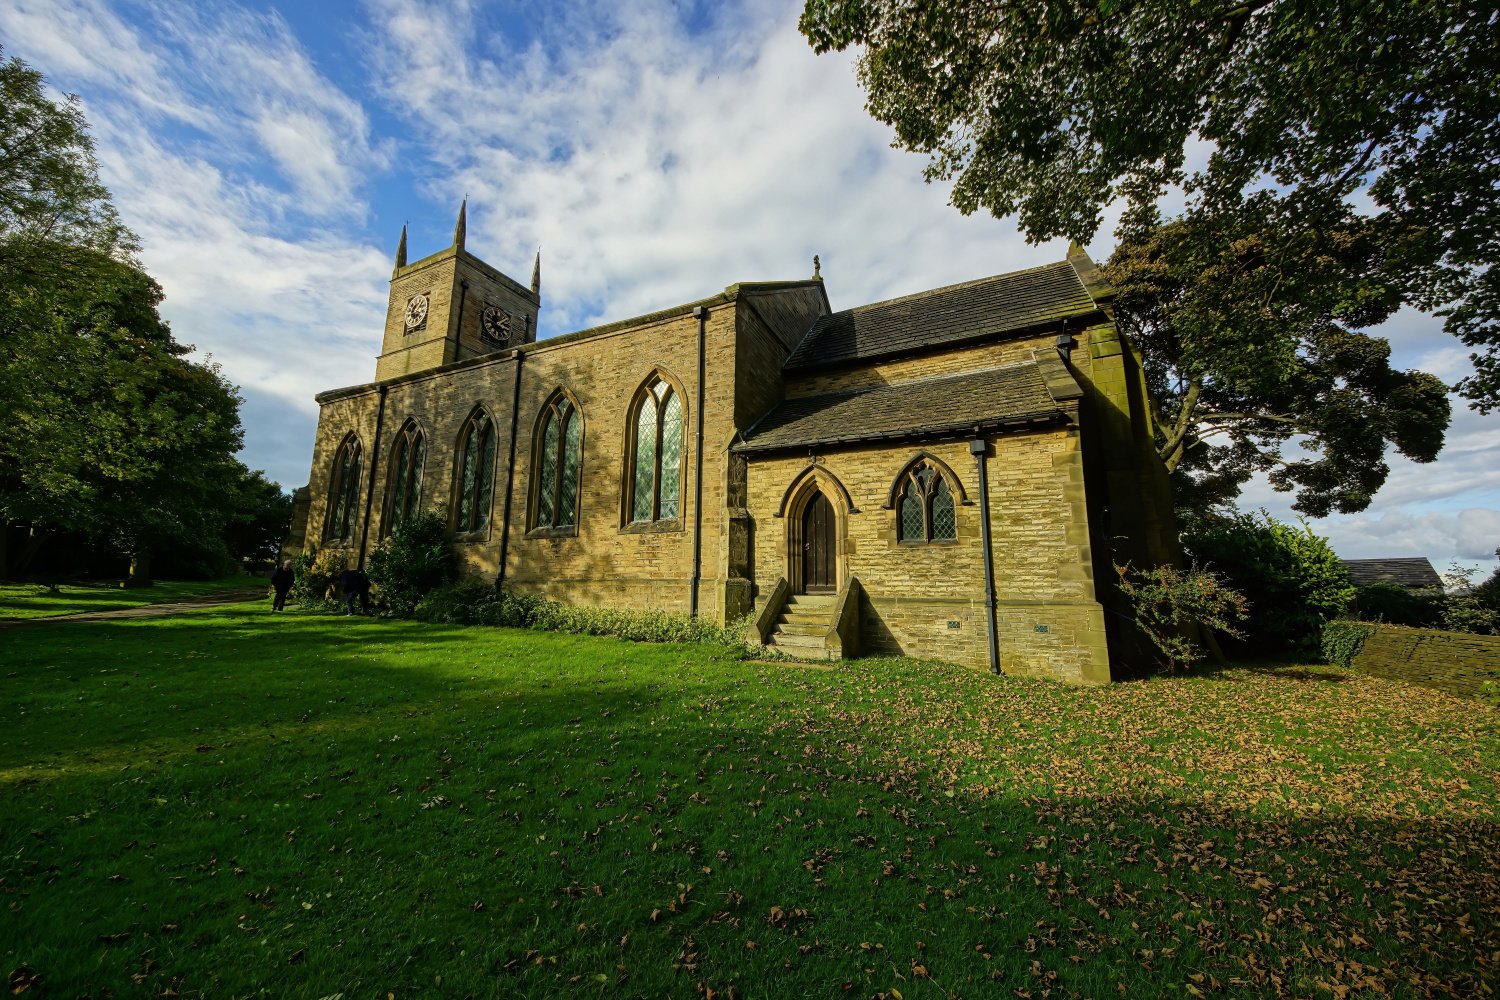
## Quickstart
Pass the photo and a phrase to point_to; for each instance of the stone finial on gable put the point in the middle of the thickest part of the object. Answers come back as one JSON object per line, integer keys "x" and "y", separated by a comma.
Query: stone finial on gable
{"x": 460, "y": 229}
{"x": 401, "y": 249}
{"x": 536, "y": 274}
{"x": 817, "y": 267}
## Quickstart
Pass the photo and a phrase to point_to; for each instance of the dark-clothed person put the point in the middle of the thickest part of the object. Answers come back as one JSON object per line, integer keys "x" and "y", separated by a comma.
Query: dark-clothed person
{"x": 281, "y": 582}
{"x": 355, "y": 584}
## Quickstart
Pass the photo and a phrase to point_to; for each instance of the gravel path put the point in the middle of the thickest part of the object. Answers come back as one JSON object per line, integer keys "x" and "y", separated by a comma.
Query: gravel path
{"x": 145, "y": 610}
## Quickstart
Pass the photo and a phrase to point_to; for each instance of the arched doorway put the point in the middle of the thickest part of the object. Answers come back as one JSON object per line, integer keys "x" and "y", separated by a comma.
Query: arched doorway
{"x": 819, "y": 547}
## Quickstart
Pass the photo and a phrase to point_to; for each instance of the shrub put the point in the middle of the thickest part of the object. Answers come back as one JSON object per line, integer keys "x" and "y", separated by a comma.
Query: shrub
{"x": 1464, "y": 607}
{"x": 475, "y": 602}
{"x": 316, "y": 574}
{"x": 414, "y": 561}
{"x": 1170, "y": 604}
{"x": 1342, "y": 640}
{"x": 1290, "y": 576}
{"x": 1397, "y": 605}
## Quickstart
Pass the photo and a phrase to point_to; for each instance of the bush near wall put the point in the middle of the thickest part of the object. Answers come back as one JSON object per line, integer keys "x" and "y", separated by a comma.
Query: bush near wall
{"x": 1457, "y": 662}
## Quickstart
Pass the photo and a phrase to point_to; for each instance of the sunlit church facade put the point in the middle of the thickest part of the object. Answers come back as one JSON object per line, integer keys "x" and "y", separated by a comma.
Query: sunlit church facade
{"x": 949, "y": 474}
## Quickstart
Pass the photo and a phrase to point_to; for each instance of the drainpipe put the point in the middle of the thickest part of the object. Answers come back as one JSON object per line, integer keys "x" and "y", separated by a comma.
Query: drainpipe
{"x": 510, "y": 474}
{"x": 364, "y": 532}
{"x": 978, "y": 449}
{"x": 702, "y": 314}
{"x": 458, "y": 331}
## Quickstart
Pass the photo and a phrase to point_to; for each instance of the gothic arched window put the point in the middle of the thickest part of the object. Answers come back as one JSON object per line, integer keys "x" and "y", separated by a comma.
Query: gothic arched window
{"x": 654, "y": 478}
{"x": 559, "y": 459}
{"x": 403, "y": 497}
{"x": 343, "y": 492}
{"x": 475, "y": 483}
{"x": 924, "y": 508}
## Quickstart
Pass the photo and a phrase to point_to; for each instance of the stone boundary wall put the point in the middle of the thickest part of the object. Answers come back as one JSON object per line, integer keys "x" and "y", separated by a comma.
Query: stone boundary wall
{"x": 1456, "y": 662}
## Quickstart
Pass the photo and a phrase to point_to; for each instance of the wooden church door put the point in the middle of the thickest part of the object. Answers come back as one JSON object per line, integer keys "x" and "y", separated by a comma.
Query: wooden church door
{"x": 819, "y": 575}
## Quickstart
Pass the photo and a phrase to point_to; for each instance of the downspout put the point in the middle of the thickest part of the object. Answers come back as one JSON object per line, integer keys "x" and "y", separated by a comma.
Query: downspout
{"x": 364, "y": 532}
{"x": 510, "y": 473}
{"x": 978, "y": 449}
{"x": 701, "y": 313}
{"x": 458, "y": 330}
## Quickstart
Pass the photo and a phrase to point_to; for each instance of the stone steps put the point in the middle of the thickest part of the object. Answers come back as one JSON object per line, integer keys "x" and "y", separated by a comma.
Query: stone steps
{"x": 803, "y": 625}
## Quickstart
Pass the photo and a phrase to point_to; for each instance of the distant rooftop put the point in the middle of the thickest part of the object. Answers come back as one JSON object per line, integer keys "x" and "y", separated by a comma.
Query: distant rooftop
{"x": 1413, "y": 574}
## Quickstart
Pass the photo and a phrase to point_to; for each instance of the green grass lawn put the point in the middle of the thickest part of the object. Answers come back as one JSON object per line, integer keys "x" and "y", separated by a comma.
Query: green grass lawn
{"x": 30, "y": 600}
{"x": 231, "y": 802}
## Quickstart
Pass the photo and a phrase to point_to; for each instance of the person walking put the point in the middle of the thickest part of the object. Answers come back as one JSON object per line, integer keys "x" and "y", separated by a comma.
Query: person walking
{"x": 355, "y": 584}
{"x": 281, "y": 582}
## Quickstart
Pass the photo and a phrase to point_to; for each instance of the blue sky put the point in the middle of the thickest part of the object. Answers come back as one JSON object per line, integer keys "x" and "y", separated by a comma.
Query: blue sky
{"x": 268, "y": 155}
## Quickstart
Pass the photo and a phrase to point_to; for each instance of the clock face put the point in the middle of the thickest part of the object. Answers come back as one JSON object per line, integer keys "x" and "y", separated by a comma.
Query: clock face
{"x": 416, "y": 311}
{"x": 494, "y": 323}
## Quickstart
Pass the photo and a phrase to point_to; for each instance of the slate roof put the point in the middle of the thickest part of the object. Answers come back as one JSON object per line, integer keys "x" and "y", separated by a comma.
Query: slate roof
{"x": 1016, "y": 394}
{"x": 1414, "y": 574}
{"x": 1004, "y": 303}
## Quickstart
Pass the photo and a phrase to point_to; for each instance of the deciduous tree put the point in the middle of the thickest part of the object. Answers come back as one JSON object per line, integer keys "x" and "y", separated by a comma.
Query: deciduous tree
{"x": 1363, "y": 139}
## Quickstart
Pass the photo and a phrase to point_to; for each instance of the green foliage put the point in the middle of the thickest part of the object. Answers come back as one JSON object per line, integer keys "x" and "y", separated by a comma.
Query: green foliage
{"x": 417, "y": 559}
{"x": 49, "y": 180}
{"x": 1398, "y": 605}
{"x": 1464, "y": 608}
{"x": 1342, "y": 640}
{"x": 475, "y": 602}
{"x": 315, "y": 574}
{"x": 1172, "y": 605}
{"x": 261, "y": 517}
{"x": 1289, "y": 386}
{"x": 110, "y": 430}
{"x": 1055, "y": 110}
{"x": 1290, "y": 576}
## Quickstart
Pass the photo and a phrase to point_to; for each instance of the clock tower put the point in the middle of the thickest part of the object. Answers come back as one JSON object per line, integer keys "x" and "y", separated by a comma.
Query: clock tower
{"x": 451, "y": 306}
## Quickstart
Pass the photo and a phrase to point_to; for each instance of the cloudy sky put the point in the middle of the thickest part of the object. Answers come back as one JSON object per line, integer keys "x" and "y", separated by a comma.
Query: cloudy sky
{"x": 268, "y": 154}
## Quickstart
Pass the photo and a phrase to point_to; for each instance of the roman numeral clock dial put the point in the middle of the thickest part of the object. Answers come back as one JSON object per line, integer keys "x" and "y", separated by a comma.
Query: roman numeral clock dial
{"x": 494, "y": 324}
{"x": 416, "y": 312}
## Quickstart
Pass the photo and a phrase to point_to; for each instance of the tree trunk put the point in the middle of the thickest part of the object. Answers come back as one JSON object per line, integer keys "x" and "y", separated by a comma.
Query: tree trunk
{"x": 21, "y": 558}
{"x": 140, "y": 569}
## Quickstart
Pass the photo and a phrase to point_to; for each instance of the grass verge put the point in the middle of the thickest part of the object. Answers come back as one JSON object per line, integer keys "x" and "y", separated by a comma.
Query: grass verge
{"x": 228, "y": 802}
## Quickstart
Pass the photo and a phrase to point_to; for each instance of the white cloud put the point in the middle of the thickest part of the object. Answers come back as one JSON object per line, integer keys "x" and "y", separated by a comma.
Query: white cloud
{"x": 654, "y": 167}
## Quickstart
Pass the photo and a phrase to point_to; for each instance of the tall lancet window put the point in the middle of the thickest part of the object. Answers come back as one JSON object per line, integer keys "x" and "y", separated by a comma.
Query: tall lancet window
{"x": 475, "y": 483}
{"x": 655, "y": 480}
{"x": 343, "y": 493}
{"x": 559, "y": 461}
{"x": 403, "y": 496}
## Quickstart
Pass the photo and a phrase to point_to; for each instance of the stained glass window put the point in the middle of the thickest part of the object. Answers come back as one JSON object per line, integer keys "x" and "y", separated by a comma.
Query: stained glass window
{"x": 404, "y": 495}
{"x": 560, "y": 464}
{"x": 343, "y": 492}
{"x": 476, "y": 475}
{"x": 925, "y": 510}
{"x": 656, "y": 480}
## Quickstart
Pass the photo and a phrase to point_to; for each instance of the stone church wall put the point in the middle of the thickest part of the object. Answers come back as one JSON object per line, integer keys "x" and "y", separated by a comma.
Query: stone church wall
{"x": 928, "y": 600}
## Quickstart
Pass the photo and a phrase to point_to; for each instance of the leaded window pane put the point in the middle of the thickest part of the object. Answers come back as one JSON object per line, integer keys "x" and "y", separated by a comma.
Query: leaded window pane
{"x": 567, "y": 504}
{"x": 414, "y": 494}
{"x": 671, "y": 457}
{"x": 645, "y": 461}
{"x": 944, "y": 522}
{"x": 911, "y": 515}
{"x": 398, "y": 488}
{"x": 484, "y": 494}
{"x": 546, "y": 500}
{"x": 467, "y": 468}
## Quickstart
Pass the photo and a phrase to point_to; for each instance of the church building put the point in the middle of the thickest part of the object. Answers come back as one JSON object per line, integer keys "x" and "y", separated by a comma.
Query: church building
{"x": 950, "y": 474}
